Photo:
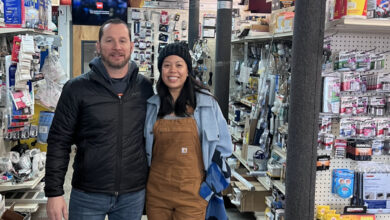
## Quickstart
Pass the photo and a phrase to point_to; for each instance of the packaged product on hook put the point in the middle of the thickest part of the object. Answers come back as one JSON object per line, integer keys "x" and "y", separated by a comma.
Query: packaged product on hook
{"x": 382, "y": 127}
{"x": 377, "y": 147}
{"x": 342, "y": 183}
{"x": 331, "y": 94}
{"x": 384, "y": 81}
{"x": 362, "y": 105}
{"x": 347, "y": 61}
{"x": 340, "y": 148}
{"x": 164, "y": 18}
{"x": 360, "y": 150}
{"x": 349, "y": 105}
{"x": 347, "y": 127}
{"x": 377, "y": 105}
{"x": 327, "y": 58}
{"x": 366, "y": 128}
{"x": 326, "y": 123}
{"x": 377, "y": 61}
{"x": 328, "y": 142}
{"x": 363, "y": 62}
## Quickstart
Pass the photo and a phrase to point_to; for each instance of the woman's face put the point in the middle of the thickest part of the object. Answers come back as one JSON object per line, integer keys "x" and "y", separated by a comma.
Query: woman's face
{"x": 174, "y": 73}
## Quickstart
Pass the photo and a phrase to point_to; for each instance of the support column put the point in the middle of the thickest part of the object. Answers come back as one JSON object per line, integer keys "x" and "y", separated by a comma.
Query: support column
{"x": 193, "y": 23}
{"x": 304, "y": 109}
{"x": 222, "y": 54}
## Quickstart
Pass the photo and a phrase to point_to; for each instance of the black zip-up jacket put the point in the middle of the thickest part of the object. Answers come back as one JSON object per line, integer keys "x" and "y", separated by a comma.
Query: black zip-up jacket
{"x": 107, "y": 130}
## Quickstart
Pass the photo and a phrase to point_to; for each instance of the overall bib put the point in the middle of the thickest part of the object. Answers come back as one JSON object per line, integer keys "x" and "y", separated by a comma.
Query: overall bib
{"x": 176, "y": 172}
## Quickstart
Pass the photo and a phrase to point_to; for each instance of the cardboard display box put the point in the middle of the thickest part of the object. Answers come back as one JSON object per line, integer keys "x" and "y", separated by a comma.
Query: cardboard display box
{"x": 282, "y": 20}
{"x": 259, "y": 28}
{"x": 249, "y": 130}
{"x": 250, "y": 201}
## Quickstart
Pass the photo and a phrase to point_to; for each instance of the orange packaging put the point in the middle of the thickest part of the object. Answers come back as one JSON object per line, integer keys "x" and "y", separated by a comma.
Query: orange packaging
{"x": 358, "y": 217}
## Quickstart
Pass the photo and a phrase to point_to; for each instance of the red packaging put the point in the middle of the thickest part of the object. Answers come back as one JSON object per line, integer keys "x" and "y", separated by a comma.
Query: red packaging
{"x": 16, "y": 48}
{"x": 340, "y": 8}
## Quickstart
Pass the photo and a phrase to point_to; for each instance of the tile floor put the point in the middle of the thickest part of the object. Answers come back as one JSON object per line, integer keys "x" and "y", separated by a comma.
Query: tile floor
{"x": 232, "y": 212}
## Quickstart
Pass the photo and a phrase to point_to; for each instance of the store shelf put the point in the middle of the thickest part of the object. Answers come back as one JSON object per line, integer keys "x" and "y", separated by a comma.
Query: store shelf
{"x": 236, "y": 138}
{"x": 237, "y": 154}
{"x": 24, "y": 31}
{"x": 359, "y": 25}
{"x": 280, "y": 152}
{"x": 31, "y": 184}
{"x": 264, "y": 182}
{"x": 279, "y": 185}
{"x": 246, "y": 103}
{"x": 24, "y": 208}
{"x": 262, "y": 37}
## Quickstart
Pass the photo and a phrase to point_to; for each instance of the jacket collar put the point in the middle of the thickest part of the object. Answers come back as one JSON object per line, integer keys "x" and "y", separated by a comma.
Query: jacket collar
{"x": 99, "y": 74}
{"x": 201, "y": 99}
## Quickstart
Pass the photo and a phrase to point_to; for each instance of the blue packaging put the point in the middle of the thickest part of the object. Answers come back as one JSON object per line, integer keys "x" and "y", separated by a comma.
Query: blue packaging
{"x": 45, "y": 120}
{"x": 32, "y": 13}
{"x": 342, "y": 183}
{"x": 13, "y": 12}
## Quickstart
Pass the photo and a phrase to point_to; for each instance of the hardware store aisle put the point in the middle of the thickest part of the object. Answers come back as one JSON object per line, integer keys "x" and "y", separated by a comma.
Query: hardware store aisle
{"x": 41, "y": 213}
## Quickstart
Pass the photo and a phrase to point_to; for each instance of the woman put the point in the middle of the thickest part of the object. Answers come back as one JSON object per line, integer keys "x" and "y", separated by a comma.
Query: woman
{"x": 185, "y": 134}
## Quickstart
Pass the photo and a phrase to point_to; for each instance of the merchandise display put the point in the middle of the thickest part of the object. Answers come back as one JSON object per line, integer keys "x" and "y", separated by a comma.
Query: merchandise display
{"x": 258, "y": 113}
{"x": 25, "y": 60}
{"x": 28, "y": 14}
{"x": 354, "y": 122}
{"x": 27, "y": 81}
{"x": 352, "y": 164}
{"x": 152, "y": 29}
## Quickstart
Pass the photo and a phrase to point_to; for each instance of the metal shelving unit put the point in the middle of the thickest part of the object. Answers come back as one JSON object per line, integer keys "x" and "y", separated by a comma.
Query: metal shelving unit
{"x": 262, "y": 37}
{"x": 359, "y": 25}
{"x": 352, "y": 34}
{"x": 14, "y": 31}
{"x": 31, "y": 184}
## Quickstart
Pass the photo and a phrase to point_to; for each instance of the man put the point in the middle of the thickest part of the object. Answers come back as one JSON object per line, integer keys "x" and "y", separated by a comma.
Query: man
{"x": 103, "y": 113}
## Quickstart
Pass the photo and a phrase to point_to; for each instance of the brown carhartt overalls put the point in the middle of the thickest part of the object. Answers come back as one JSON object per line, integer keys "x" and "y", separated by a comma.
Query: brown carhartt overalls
{"x": 176, "y": 172}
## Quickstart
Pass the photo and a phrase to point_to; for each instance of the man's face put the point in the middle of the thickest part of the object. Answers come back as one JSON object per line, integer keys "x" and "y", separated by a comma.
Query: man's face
{"x": 115, "y": 46}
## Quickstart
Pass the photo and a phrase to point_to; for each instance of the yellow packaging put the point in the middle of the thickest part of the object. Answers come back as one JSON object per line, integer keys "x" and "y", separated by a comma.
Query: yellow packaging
{"x": 321, "y": 210}
{"x": 357, "y": 8}
{"x": 332, "y": 217}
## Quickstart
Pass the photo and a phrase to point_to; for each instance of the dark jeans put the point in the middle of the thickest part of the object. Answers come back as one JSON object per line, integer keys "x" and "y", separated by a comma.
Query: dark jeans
{"x": 95, "y": 206}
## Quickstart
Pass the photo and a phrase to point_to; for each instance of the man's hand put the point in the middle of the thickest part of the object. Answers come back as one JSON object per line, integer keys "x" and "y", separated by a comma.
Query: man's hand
{"x": 56, "y": 208}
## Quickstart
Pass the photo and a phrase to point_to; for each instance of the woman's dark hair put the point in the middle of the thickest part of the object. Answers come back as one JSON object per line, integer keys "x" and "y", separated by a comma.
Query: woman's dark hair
{"x": 186, "y": 98}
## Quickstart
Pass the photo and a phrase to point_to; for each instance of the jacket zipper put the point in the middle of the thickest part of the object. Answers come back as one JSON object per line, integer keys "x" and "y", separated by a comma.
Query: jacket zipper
{"x": 119, "y": 146}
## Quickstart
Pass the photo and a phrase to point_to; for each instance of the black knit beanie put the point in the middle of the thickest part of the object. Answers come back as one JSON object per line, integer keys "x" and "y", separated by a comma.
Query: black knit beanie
{"x": 178, "y": 49}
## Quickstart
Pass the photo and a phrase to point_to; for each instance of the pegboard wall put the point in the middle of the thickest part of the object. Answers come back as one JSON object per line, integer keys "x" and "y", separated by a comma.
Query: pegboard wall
{"x": 152, "y": 15}
{"x": 362, "y": 42}
{"x": 375, "y": 43}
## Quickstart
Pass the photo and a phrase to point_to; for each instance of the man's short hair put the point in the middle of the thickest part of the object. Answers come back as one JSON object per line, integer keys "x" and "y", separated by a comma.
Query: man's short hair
{"x": 113, "y": 21}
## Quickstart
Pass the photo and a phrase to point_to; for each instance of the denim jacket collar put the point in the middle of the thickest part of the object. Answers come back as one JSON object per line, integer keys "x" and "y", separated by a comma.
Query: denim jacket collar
{"x": 202, "y": 100}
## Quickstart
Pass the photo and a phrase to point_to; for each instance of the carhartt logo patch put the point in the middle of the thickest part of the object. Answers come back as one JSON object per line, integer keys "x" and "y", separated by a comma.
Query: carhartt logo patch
{"x": 184, "y": 150}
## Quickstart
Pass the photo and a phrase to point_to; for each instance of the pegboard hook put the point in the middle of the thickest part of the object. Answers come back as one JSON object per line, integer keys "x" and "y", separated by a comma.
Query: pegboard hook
{"x": 388, "y": 51}
{"x": 331, "y": 35}
{"x": 370, "y": 50}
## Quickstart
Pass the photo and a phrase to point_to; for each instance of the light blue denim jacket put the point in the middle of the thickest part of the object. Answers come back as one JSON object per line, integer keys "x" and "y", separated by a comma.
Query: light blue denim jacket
{"x": 212, "y": 127}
